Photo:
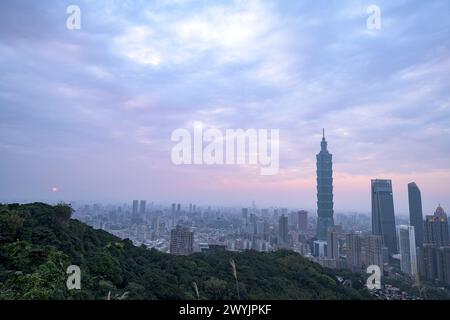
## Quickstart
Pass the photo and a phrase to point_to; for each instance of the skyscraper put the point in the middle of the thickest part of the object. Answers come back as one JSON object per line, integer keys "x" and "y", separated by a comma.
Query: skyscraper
{"x": 353, "y": 249}
{"x": 434, "y": 259}
{"x": 332, "y": 244}
{"x": 415, "y": 212}
{"x": 383, "y": 218}
{"x": 407, "y": 247}
{"x": 283, "y": 229}
{"x": 302, "y": 220}
{"x": 440, "y": 213}
{"x": 319, "y": 248}
{"x": 324, "y": 190}
{"x": 443, "y": 265}
{"x": 428, "y": 261}
{"x": 181, "y": 241}
{"x": 434, "y": 263}
{"x": 142, "y": 205}
{"x": 134, "y": 214}
{"x": 363, "y": 251}
{"x": 135, "y": 207}
{"x": 245, "y": 215}
{"x": 436, "y": 229}
{"x": 373, "y": 251}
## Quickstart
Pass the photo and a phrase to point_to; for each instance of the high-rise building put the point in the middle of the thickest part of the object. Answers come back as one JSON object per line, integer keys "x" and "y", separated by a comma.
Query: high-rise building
{"x": 374, "y": 251}
{"x": 134, "y": 213}
{"x": 363, "y": 251}
{"x": 440, "y": 213}
{"x": 260, "y": 227}
{"x": 252, "y": 223}
{"x": 383, "y": 218}
{"x": 434, "y": 258}
{"x": 427, "y": 262}
{"x": 434, "y": 263}
{"x": 142, "y": 205}
{"x": 302, "y": 220}
{"x": 181, "y": 241}
{"x": 283, "y": 229}
{"x": 353, "y": 250}
{"x": 443, "y": 265}
{"x": 407, "y": 248}
{"x": 293, "y": 219}
{"x": 135, "y": 207}
{"x": 245, "y": 216}
{"x": 319, "y": 248}
{"x": 415, "y": 212}
{"x": 436, "y": 229}
{"x": 275, "y": 215}
{"x": 324, "y": 190}
{"x": 332, "y": 243}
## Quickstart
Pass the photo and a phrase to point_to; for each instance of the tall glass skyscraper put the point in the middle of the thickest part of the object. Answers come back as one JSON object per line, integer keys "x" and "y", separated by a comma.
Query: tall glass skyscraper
{"x": 383, "y": 218}
{"x": 324, "y": 190}
{"x": 407, "y": 247}
{"x": 415, "y": 212}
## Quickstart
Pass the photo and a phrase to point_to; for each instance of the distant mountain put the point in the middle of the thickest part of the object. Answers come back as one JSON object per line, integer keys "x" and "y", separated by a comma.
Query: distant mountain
{"x": 38, "y": 242}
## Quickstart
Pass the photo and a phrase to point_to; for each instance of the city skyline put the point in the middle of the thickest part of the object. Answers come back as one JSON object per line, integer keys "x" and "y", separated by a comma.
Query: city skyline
{"x": 255, "y": 152}
{"x": 87, "y": 114}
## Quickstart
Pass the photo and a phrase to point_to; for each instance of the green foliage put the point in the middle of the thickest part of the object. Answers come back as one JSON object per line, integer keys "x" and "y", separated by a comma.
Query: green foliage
{"x": 39, "y": 241}
{"x": 215, "y": 288}
{"x": 10, "y": 225}
{"x": 41, "y": 275}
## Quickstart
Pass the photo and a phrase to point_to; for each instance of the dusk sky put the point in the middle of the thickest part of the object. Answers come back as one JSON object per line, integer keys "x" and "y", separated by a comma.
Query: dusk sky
{"x": 91, "y": 111}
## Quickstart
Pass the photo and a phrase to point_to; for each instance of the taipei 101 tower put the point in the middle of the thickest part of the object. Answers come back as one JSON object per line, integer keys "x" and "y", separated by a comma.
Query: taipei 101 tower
{"x": 324, "y": 190}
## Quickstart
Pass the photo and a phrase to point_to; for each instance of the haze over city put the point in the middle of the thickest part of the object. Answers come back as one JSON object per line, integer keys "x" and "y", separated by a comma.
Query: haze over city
{"x": 90, "y": 112}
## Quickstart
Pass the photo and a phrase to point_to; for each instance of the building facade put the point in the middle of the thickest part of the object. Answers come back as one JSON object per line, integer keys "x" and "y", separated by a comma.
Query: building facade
{"x": 436, "y": 230}
{"x": 434, "y": 263}
{"x": 415, "y": 212}
{"x": 363, "y": 251}
{"x": 302, "y": 220}
{"x": 407, "y": 249}
{"x": 181, "y": 241}
{"x": 283, "y": 230}
{"x": 443, "y": 265}
{"x": 383, "y": 217}
{"x": 324, "y": 172}
{"x": 333, "y": 243}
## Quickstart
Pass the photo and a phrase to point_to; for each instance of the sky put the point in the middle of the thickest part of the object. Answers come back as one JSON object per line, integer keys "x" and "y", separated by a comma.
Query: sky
{"x": 87, "y": 114}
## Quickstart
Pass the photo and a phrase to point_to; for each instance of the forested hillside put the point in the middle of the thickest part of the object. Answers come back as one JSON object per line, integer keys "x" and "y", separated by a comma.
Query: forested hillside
{"x": 38, "y": 242}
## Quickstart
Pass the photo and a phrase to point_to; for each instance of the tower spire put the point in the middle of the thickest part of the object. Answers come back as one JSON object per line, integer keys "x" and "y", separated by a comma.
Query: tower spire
{"x": 324, "y": 190}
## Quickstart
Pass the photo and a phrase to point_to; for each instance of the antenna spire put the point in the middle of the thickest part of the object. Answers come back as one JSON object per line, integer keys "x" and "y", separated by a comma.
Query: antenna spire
{"x": 323, "y": 133}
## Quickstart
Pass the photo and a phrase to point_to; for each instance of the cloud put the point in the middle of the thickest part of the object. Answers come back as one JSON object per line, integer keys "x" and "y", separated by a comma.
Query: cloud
{"x": 98, "y": 105}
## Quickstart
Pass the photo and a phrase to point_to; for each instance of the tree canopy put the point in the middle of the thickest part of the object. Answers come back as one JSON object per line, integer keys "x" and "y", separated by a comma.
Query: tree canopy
{"x": 39, "y": 241}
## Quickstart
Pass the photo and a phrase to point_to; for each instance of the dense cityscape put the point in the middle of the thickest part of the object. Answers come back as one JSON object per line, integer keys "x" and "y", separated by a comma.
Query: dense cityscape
{"x": 229, "y": 159}
{"x": 416, "y": 250}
